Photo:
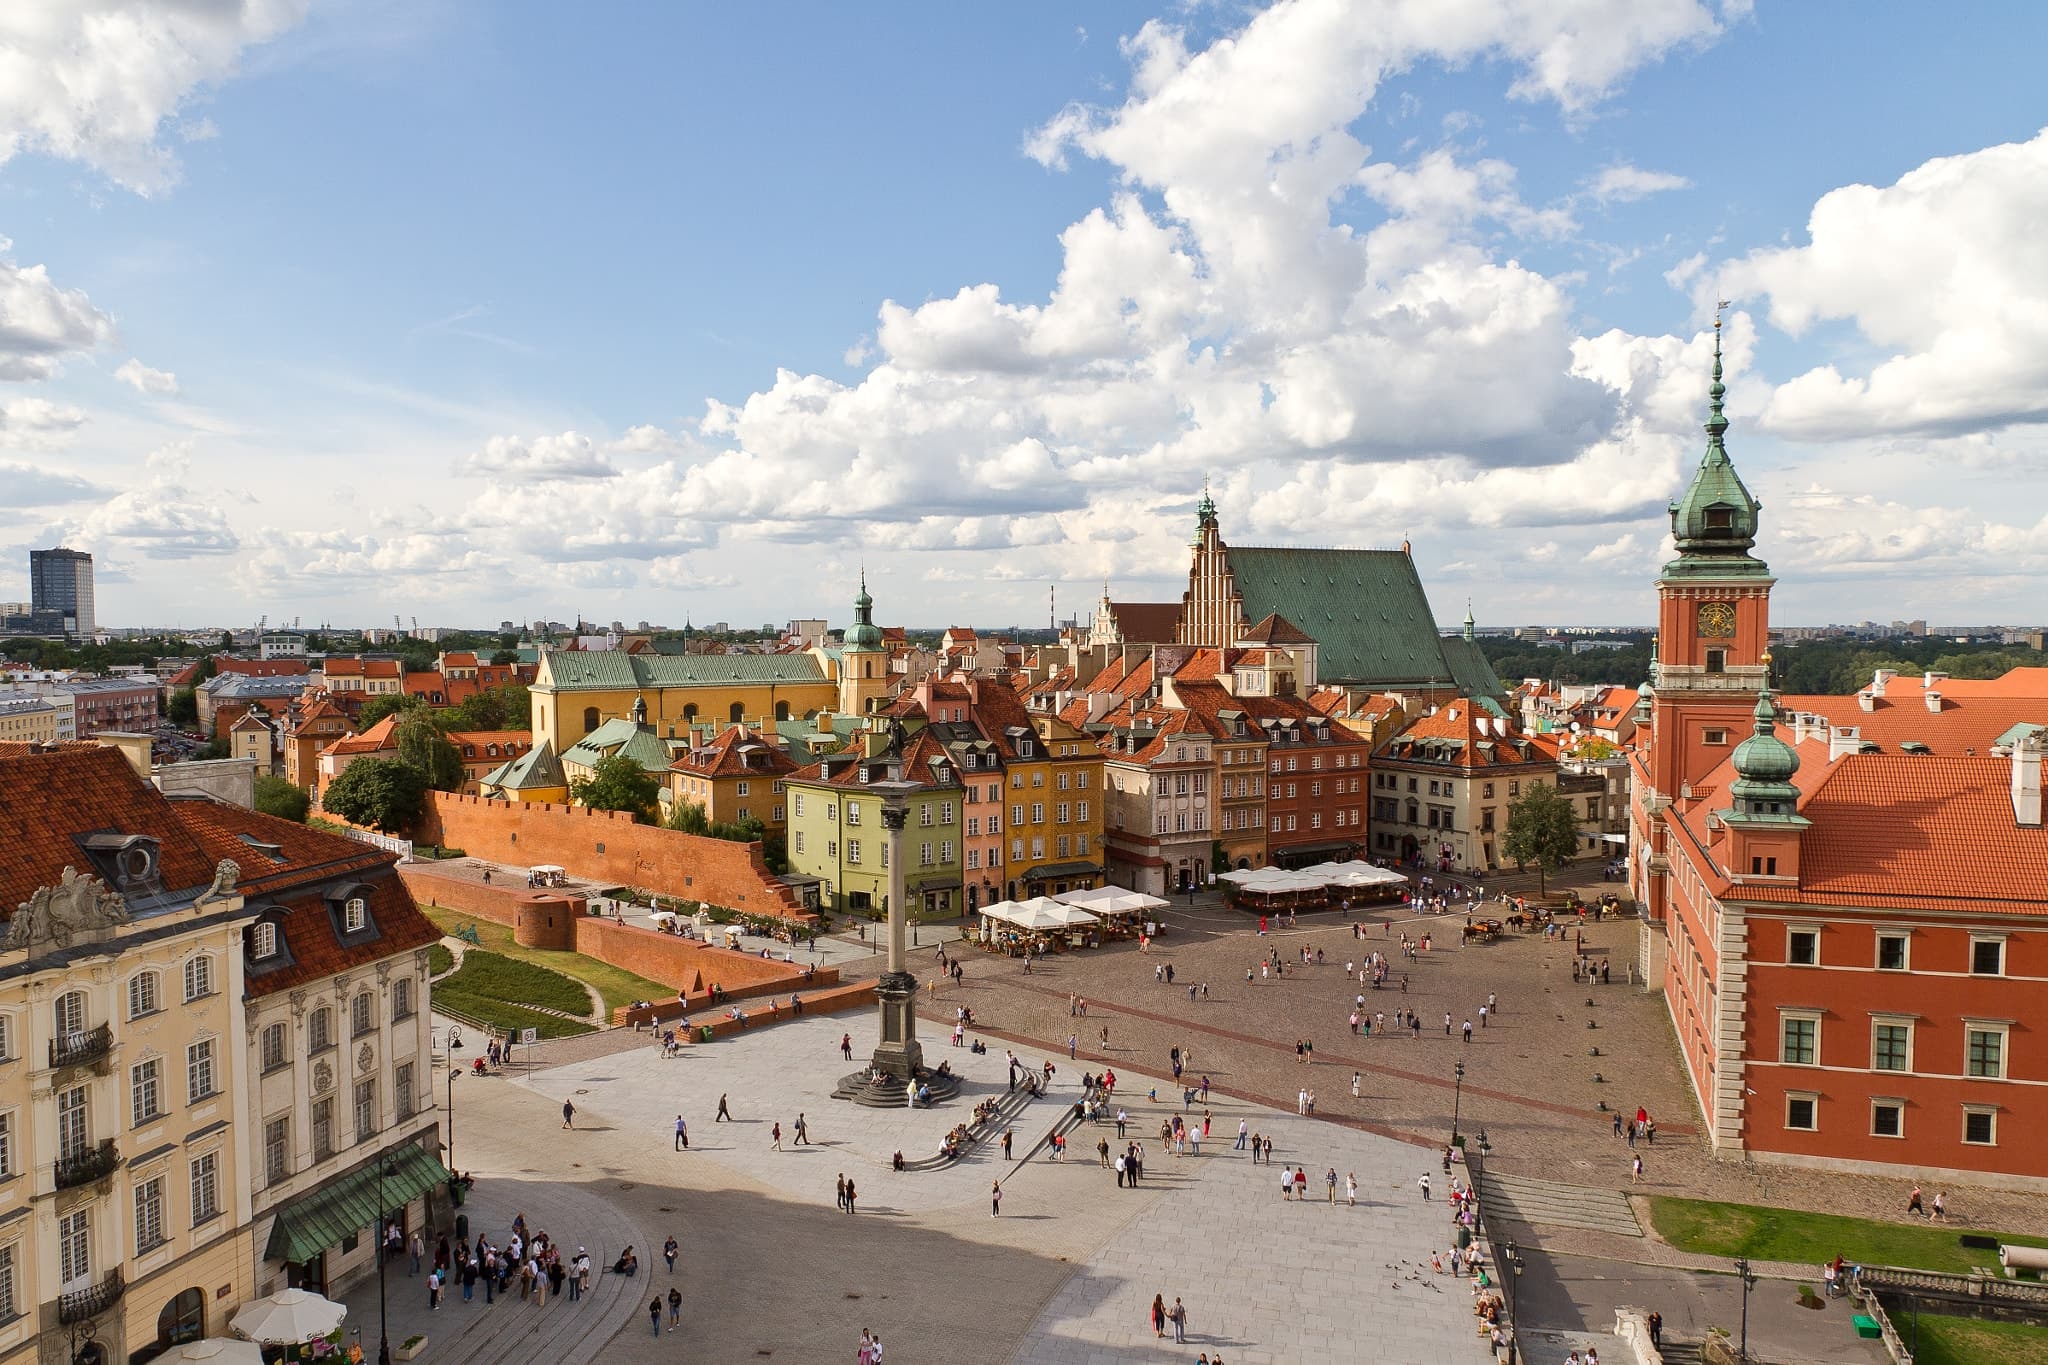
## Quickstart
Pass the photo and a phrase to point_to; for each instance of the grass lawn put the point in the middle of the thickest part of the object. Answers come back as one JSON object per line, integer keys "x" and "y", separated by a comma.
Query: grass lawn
{"x": 508, "y": 1018}
{"x": 495, "y": 977}
{"x": 1768, "y": 1234}
{"x": 1966, "y": 1341}
{"x": 439, "y": 959}
{"x": 617, "y": 985}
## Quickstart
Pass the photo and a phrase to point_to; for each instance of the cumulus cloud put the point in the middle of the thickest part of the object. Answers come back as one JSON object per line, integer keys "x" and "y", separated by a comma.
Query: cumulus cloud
{"x": 30, "y": 485}
{"x": 37, "y": 421}
{"x": 96, "y": 81}
{"x": 40, "y": 321}
{"x": 1946, "y": 270}
{"x": 1623, "y": 184}
{"x": 567, "y": 456}
{"x": 143, "y": 379}
{"x": 161, "y": 517}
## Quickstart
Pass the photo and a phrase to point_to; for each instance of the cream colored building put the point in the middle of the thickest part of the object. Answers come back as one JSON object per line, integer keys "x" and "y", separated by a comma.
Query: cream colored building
{"x": 129, "y": 1065}
{"x": 27, "y": 720}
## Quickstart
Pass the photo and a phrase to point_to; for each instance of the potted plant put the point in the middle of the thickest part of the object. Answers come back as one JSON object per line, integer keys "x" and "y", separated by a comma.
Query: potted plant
{"x": 410, "y": 1347}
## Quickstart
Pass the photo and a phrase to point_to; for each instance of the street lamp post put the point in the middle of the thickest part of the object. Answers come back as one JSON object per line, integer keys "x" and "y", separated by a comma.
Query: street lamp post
{"x": 383, "y": 1256}
{"x": 1457, "y": 1100}
{"x": 1748, "y": 1282}
{"x": 452, "y": 1072}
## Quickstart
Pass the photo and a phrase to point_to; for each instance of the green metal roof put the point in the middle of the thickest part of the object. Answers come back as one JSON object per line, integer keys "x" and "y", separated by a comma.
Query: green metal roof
{"x": 623, "y": 738}
{"x": 537, "y": 767}
{"x": 1365, "y": 609}
{"x": 348, "y": 1204}
{"x": 1714, "y": 523}
{"x": 575, "y": 670}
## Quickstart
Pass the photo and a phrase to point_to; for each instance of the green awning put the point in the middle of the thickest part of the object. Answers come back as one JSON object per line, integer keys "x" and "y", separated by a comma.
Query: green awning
{"x": 347, "y": 1204}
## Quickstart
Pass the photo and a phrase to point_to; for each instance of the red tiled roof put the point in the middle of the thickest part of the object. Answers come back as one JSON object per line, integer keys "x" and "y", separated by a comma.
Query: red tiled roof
{"x": 1965, "y": 722}
{"x": 735, "y": 752}
{"x": 1278, "y": 630}
{"x": 381, "y": 736}
{"x": 47, "y": 799}
{"x": 1146, "y": 623}
{"x": 461, "y": 658}
{"x": 1457, "y": 721}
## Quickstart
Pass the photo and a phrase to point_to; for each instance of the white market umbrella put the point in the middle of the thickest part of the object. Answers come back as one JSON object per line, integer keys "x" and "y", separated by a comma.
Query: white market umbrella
{"x": 1073, "y": 915}
{"x": 217, "y": 1351}
{"x": 547, "y": 869}
{"x": 288, "y": 1317}
{"x": 1243, "y": 876}
{"x": 1112, "y": 900}
{"x": 1038, "y": 913}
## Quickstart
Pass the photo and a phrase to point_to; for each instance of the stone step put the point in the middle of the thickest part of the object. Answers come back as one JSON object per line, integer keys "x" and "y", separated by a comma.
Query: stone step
{"x": 1558, "y": 1205}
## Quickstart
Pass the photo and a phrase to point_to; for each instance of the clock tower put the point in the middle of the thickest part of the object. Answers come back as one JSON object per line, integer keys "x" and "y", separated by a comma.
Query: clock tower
{"x": 1713, "y": 618}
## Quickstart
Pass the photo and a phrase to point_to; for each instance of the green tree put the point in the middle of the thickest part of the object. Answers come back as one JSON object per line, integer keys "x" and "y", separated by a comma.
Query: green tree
{"x": 618, "y": 783}
{"x": 421, "y": 743}
{"x": 378, "y": 707}
{"x": 1219, "y": 861}
{"x": 1542, "y": 829}
{"x": 227, "y": 639}
{"x": 1594, "y": 748}
{"x": 275, "y": 796}
{"x": 382, "y": 793}
{"x": 508, "y": 706}
{"x": 183, "y": 709}
{"x": 689, "y": 818}
{"x": 213, "y": 748}
{"x": 504, "y": 657}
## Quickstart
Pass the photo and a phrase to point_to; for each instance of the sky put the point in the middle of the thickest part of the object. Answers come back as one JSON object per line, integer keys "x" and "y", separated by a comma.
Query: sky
{"x": 481, "y": 311}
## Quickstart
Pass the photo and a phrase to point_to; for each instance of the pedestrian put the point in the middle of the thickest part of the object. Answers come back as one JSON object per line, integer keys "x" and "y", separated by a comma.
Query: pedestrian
{"x": 654, "y": 1315}
{"x": 682, "y": 1134}
{"x": 1120, "y": 1172}
{"x": 1913, "y": 1204}
{"x": 775, "y": 1136}
{"x": 416, "y": 1249}
{"x": 839, "y": 1193}
{"x": 1941, "y": 1205}
{"x": 1356, "y": 1079}
{"x": 1468, "y": 1030}
{"x": 1008, "y": 1134}
{"x": 1351, "y": 1189}
{"x": 468, "y": 1278}
{"x": 846, "y": 1046}
{"x": 1330, "y": 1184}
{"x": 803, "y": 1132}
{"x": 1072, "y": 1043}
{"x": 724, "y": 1115}
{"x": 1637, "y": 1177}
{"x": 434, "y": 1290}
{"x": 995, "y": 1199}
{"x": 1482, "y": 1016}
{"x": 675, "y": 1308}
{"x": 1656, "y": 1325}
{"x": 668, "y": 1252}
{"x": 1242, "y": 1128}
{"x": 1424, "y": 1183}
{"x": 1158, "y": 1316}
{"x": 568, "y": 1114}
{"x": 1447, "y": 1024}
{"x": 1178, "y": 1316}
{"x": 851, "y": 1196}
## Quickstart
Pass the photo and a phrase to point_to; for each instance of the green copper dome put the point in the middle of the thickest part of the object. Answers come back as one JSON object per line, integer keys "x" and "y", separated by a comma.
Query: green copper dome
{"x": 1715, "y": 522}
{"x": 863, "y": 633}
{"x": 1764, "y": 764}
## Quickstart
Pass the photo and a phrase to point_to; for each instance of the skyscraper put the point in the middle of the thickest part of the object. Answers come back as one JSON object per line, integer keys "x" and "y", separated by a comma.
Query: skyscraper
{"x": 60, "y": 581}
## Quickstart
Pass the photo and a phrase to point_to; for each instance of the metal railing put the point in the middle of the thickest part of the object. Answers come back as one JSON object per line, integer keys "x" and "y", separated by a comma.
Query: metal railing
{"x": 1866, "y": 1299}
{"x": 81, "y": 1304}
{"x": 92, "y": 1164}
{"x": 1891, "y": 1279}
{"x": 78, "y": 1049}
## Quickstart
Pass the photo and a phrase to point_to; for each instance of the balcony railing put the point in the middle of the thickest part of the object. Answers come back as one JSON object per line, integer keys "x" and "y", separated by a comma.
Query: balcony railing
{"x": 81, "y": 1304}
{"x": 79, "y": 1049}
{"x": 94, "y": 1163}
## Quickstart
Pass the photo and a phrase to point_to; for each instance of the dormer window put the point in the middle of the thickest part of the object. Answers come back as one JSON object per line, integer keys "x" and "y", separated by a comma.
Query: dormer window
{"x": 355, "y": 913}
{"x": 263, "y": 941}
{"x": 1720, "y": 518}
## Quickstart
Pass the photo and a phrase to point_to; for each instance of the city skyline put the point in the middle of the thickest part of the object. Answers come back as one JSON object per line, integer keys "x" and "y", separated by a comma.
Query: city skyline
{"x": 431, "y": 311}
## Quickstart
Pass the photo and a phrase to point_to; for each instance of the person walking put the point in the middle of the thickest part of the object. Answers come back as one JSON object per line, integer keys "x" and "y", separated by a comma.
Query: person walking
{"x": 1468, "y": 1030}
{"x": 839, "y": 1193}
{"x": 415, "y": 1249}
{"x": 568, "y": 1114}
{"x": 1008, "y": 1135}
{"x": 1158, "y": 1315}
{"x": 724, "y": 1114}
{"x": 1637, "y": 1177}
{"x": 1913, "y": 1205}
{"x": 1072, "y": 1044}
{"x": 675, "y": 1308}
{"x": 803, "y": 1131}
{"x": 434, "y": 1290}
{"x": 668, "y": 1252}
{"x": 846, "y": 1046}
{"x": 1356, "y": 1081}
{"x": 1351, "y": 1189}
{"x": 682, "y": 1134}
{"x": 1178, "y": 1316}
{"x": 1242, "y": 1129}
{"x": 468, "y": 1278}
{"x": 851, "y": 1195}
{"x": 1424, "y": 1183}
{"x": 775, "y": 1136}
{"x": 654, "y": 1315}
{"x": 995, "y": 1199}
{"x": 1330, "y": 1183}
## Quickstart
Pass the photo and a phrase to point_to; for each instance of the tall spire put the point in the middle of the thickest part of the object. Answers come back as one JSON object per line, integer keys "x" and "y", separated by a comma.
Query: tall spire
{"x": 1717, "y": 422}
{"x": 1715, "y": 522}
{"x": 1469, "y": 622}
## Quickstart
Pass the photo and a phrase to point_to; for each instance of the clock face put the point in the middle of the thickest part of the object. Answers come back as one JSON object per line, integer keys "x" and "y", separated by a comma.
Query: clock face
{"x": 1717, "y": 620}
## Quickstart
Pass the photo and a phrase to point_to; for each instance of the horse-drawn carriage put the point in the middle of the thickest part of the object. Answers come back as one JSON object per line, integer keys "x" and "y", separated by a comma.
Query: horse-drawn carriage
{"x": 1483, "y": 931}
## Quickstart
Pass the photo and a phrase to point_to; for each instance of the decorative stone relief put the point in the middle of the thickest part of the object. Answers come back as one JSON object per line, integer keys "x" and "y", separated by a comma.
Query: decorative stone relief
{"x": 366, "y": 1058}
{"x": 59, "y": 913}
{"x": 323, "y": 1077}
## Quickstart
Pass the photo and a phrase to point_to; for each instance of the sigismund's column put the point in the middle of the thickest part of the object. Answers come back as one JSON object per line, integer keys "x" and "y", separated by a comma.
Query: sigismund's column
{"x": 897, "y": 1054}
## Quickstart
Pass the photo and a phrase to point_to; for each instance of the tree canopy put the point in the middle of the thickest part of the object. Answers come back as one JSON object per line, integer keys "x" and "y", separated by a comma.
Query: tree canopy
{"x": 275, "y": 796}
{"x": 507, "y": 706}
{"x": 383, "y": 793}
{"x": 422, "y": 744}
{"x": 385, "y": 704}
{"x": 618, "y": 783}
{"x": 1542, "y": 829}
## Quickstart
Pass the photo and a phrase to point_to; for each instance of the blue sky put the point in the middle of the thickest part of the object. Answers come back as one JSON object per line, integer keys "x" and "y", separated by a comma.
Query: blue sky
{"x": 474, "y": 311}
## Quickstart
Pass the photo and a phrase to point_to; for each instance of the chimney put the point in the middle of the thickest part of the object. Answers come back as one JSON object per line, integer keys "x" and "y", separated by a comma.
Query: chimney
{"x": 1845, "y": 739}
{"x": 1933, "y": 699}
{"x": 1867, "y": 698}
{"x": 1880, "y": 679}
{"x": 1930, "y": 678}
{"x": 2026, "y": 782}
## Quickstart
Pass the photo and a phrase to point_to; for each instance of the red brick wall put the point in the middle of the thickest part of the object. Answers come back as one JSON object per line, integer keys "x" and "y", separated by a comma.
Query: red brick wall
{"x": 548, "y": 921}
{"x": 687, "y": 964}
{"x": 498, "y": 904}
{"x": 607, "y": 846}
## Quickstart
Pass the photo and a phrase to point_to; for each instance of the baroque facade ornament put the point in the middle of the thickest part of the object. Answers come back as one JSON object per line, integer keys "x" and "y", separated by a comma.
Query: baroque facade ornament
{"x": 323, "y": 1078}
{"x": 225, "y": 874}
{"x": 75, "y": 905}
{"x": 366, "y": 1058}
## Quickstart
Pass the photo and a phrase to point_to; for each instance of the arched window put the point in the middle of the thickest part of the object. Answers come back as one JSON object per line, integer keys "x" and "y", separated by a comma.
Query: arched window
{"x": 782, "y": 710}
{"x": 198, "y": 977}
{"x": 737, "y": 712}
{"x": 145, "y": 994}
{"x": 362, "y": 1015}
{"x": 589, "y": 719}
{"x": 355, "y": 913}
{"x": 70, "y": 1014}
{"x": 320, "y": 1030}
{"x": 262, "y": 941}
{"x": 401, "y": 998}
{"x": 183, "y": 1319}
{"x": 690, "y": 713}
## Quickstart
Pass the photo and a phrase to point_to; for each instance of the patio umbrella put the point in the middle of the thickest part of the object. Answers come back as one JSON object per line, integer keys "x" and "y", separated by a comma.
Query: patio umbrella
{"x": 287, "y": 1318}
{"x": 1038, "y": 913}
{"x": 1112, "y": 900}
{"x": 1073, "y": 915}
{"x": 217, "y": 1351}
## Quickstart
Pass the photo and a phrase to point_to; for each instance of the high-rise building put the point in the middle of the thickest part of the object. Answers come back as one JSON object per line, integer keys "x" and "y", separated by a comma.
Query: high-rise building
{"x": 60, "y": 581}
